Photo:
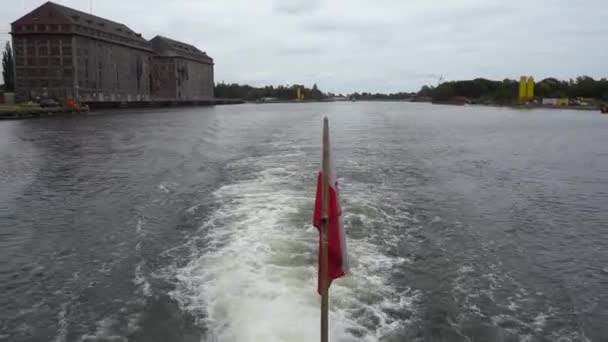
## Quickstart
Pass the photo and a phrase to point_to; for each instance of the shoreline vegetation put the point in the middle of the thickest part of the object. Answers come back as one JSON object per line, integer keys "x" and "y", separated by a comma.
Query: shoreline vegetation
{"x": 289, "y": 93}
{"x": 584, "y": 93}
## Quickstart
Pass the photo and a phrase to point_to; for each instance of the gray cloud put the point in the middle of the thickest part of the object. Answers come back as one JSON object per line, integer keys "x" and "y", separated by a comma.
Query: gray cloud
{"x": 299, "y": 51}
{"x": 328, "y": 25}
{"x": 364, "y": 45}
{"x": 296, "y": 7}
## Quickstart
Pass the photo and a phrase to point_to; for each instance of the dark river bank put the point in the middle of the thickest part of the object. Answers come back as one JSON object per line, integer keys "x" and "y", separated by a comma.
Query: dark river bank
{"x": 463, "y": 224}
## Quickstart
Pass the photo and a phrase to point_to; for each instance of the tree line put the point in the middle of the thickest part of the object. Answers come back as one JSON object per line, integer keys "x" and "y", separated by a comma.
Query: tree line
{"x": 478, "y": 90}
{"x": 382, "y": 97}
{"x": 289, "y": 92}
{"x": 506, "y": 92}
{"x": 250, "y": 93}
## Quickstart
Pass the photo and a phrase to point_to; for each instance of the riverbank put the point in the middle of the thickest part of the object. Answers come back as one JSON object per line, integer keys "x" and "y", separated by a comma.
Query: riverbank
{"x": 162, "y": 104}
{"x": 27, "y": 111}
{"x": 517, "y": 106}
{"x": 15, "y": 112}
{"x": 585, "y": 108}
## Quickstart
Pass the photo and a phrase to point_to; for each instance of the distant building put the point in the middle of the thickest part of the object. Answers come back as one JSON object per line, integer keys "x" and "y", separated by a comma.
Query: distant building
{"x": 339, "y": 98}
{"x": 549, "y": 101}
{"x": 63, "y": 53}
{"x": 180, "y": 71}
{"x": 555, "y": 101}
{"x": 268, "y": 99}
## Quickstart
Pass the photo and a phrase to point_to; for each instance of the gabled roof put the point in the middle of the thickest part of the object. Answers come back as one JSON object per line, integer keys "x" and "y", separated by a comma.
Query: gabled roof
{"x": 167, "y": 47}
{"x": 52, "y": 13}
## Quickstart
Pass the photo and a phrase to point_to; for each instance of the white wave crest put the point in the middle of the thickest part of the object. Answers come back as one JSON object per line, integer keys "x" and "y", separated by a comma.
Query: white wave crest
{"x": 256, "y": 278}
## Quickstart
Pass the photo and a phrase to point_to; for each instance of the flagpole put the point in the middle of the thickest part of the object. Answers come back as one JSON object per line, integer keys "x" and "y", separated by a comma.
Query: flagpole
{"x": 324, "y": 250}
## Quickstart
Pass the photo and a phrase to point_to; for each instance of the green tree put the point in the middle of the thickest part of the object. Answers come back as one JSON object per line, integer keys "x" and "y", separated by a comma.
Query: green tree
{"x": 426, "y": 91}
{"x": 8, "y": 68}
{"x": 542, "y": 89}
{"x": 444, "y": 91}
{"x": 316, "y": 93}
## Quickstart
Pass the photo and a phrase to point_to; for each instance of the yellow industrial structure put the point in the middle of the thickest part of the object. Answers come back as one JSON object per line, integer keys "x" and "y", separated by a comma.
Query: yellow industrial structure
{"x": 530, "y": 88}
{"x": 526, "y": 89}
{"x": 300, "y": 94}
{"x": 523, "y": 84}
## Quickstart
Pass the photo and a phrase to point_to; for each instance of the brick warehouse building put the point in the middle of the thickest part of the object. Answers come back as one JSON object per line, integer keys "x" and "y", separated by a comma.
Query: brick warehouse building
{"x": 180, "y": 71}
{"x": 64, "y": 53}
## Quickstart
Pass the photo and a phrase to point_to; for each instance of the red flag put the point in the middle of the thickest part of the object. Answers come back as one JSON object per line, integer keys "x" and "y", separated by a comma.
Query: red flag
{"x": 336, "y": 240}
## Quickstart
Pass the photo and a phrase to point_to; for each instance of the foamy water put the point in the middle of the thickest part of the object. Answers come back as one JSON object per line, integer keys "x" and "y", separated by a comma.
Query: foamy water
{"x": 256, "y": 280}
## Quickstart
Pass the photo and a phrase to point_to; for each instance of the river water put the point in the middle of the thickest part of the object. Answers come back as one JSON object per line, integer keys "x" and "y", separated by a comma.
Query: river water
{"x": 463, "y": 224}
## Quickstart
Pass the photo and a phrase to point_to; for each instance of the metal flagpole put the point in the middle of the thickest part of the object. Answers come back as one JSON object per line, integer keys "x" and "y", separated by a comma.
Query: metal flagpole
{"x": 324, "y": 224}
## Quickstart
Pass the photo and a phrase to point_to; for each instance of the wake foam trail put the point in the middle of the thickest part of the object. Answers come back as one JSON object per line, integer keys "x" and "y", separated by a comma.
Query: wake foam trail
{"x": 255, "y": 280}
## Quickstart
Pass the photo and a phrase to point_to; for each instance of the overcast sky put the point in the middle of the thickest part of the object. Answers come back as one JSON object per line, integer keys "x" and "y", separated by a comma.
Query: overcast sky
{"x": 365, "y": 45}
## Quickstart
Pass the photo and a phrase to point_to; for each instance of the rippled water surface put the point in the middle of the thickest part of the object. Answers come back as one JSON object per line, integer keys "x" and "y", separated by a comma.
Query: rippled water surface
{"x": 463, "y": 224}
